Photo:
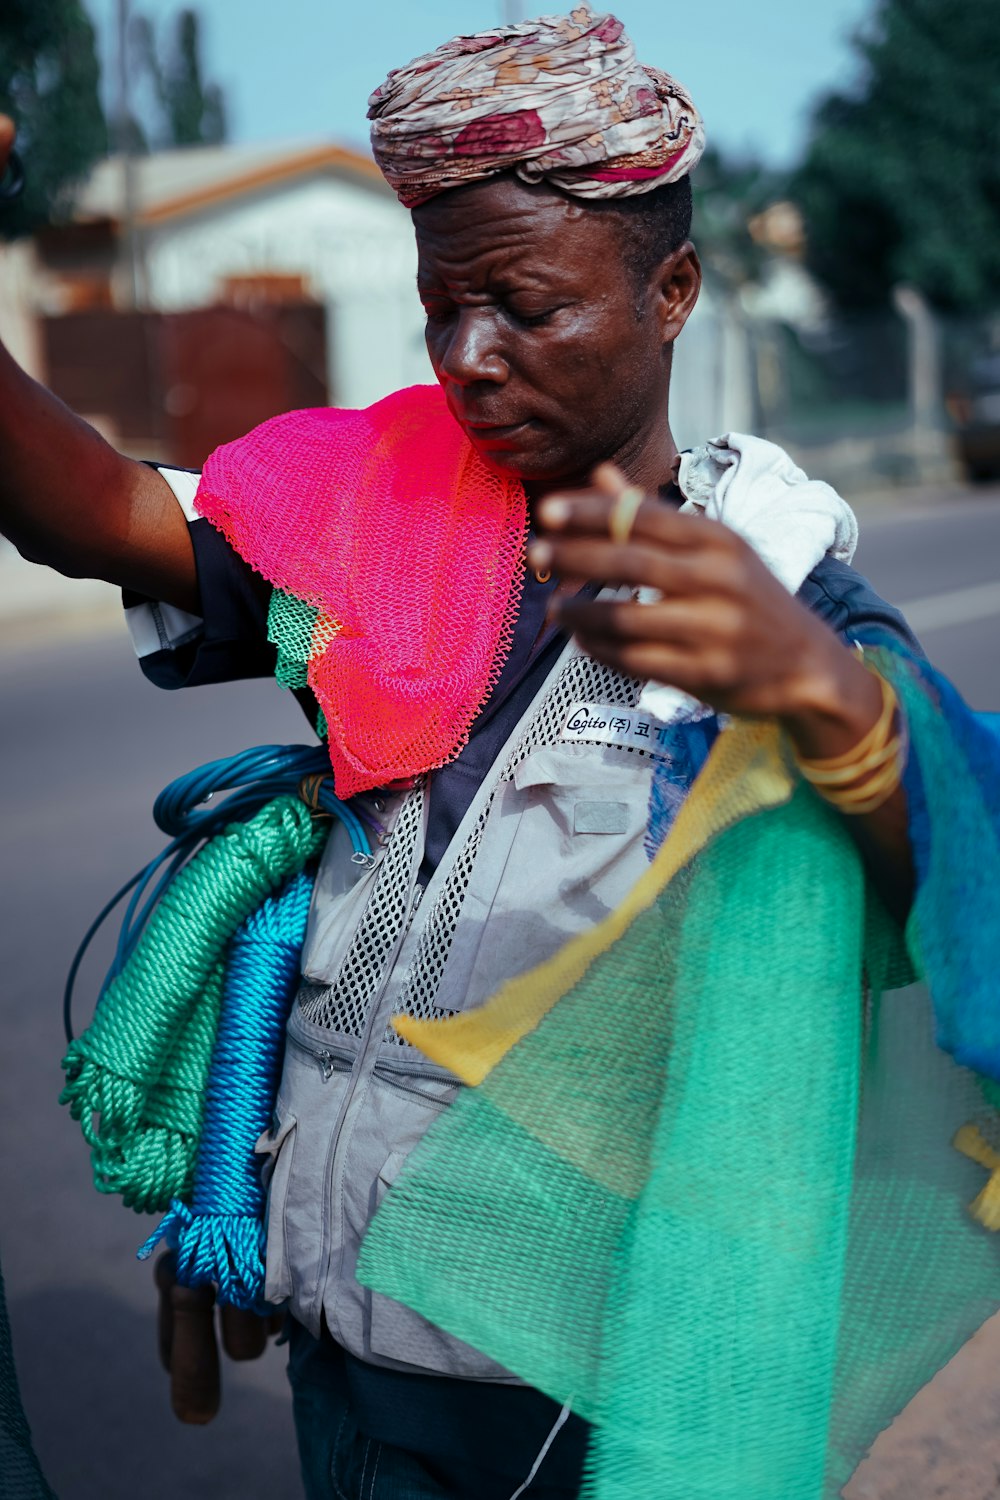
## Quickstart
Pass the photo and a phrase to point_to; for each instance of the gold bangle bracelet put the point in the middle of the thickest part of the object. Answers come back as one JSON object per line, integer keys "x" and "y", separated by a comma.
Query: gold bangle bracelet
{"x": 862, "y": 779}
{"x": 868, "y": 795}
{"x": 871, "y": 803}
{"x": 873, "y": 786}
{"x": 845, "y": 775}
{"x": 878, "y": 733}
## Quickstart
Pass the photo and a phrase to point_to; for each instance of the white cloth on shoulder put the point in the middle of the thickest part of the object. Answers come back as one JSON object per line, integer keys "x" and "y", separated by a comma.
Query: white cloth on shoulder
{"x": 792, "y": 522}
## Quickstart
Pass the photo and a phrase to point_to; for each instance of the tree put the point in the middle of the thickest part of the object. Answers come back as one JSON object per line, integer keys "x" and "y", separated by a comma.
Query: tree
{"x": 49, "y": 76}
{"x": 901, "y": 179}
{"x": 192, "y": 112}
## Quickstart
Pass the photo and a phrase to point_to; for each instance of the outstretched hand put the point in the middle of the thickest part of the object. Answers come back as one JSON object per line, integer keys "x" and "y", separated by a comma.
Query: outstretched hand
{"x": 722, "y": 627}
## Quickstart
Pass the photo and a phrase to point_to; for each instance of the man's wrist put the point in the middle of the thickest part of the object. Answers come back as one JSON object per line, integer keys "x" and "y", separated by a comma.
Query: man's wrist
{"x": 838, "y": 701}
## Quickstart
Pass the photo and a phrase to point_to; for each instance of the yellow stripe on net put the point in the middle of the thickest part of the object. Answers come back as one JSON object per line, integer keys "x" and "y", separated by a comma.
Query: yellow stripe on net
{"x": 746, "y": 772}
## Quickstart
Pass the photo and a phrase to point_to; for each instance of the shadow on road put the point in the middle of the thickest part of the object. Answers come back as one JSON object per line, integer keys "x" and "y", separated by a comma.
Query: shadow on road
{"x": 90, "y": 1379}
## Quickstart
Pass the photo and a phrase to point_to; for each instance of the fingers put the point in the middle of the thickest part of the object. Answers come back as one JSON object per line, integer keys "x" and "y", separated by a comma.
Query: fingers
{"x": 8, "y": 133}
{"x": 662, "y": 549}
{"x": 186, "y": 1337}
{"x": 686, "y": 643}
{"x": 715, "y": 623}
{"x": 590, "y": 513}
{"x": 715, "y": 561}
{"x": 610, "y": 480}
{"x": 672, "y": 622}
{"x": 195, "y": 1390}
{"x": 244, "y": 1334}
{"x": 634, "y": 564}
{"x": 651, "y": 662}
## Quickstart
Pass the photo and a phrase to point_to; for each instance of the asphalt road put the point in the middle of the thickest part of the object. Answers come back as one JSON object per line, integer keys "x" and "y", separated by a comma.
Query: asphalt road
{"x": 84, "y": 746}
{"x": 86, "y": 743}
{"x": 940, "y": 562}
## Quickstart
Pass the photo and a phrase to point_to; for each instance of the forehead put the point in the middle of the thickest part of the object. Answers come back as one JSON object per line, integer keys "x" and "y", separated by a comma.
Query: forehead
{"x": 504, "y": 223}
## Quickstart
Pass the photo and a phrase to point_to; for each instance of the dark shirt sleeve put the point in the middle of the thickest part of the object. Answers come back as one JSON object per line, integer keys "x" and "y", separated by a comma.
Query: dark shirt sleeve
{"x": 230, "y": 638}
{"x": 227, "y": 641}
{"x": 849, "y": 604}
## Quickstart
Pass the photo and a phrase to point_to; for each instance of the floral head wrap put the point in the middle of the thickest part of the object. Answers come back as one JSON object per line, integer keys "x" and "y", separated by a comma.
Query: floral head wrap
{"x": 561, "y": 99}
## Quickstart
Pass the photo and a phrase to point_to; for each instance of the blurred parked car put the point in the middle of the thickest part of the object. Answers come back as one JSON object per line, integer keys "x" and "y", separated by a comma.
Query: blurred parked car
{"x": 975, "y": 415}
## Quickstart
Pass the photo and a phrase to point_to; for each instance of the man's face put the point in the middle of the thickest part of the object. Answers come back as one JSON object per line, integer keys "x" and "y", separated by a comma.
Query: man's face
{"x": 533, "y": 332}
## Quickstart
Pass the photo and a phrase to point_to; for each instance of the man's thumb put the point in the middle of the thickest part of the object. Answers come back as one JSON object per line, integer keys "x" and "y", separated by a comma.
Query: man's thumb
{"x": 8, "y": 132}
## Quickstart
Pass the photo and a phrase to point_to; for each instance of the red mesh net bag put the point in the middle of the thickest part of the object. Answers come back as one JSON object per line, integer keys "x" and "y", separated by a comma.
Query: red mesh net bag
{"x": 388, "y": 522}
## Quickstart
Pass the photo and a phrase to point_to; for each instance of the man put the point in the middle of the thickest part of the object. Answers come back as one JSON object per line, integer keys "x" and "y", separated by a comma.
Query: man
{"x": 548, "y": 175}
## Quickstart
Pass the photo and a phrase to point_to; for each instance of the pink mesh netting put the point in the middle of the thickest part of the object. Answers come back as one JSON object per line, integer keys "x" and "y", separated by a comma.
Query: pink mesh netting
{"x": 411, "y": 548}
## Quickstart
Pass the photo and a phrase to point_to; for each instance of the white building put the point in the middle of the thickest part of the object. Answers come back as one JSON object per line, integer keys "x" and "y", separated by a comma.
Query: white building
{"x": 317, "y": 215}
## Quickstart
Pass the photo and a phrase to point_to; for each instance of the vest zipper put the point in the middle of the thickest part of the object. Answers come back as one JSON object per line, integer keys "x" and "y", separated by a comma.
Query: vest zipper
{"x": 362, "y": 1067}
{"x": 330, "y": 1062}
{"x": 396, "y": 1076}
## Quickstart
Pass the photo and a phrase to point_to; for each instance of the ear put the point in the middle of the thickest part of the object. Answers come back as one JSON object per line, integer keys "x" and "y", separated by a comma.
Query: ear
{"x": 676, "y": 285}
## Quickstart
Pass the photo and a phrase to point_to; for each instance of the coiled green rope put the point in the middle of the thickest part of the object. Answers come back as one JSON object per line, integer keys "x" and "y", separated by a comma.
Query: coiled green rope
{"x": 161, "y": 1150}
{"x": 136, "y": 1079}
{"x": 218, "y": 1234}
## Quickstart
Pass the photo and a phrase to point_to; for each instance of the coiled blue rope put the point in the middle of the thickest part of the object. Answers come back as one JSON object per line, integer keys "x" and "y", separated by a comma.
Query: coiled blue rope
{"x": 187, "y": 810}
{"x": 220, "y": 1237}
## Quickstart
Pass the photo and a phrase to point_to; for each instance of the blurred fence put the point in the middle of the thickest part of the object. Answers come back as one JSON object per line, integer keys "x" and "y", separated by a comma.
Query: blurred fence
{"x": 842, "y": 397}
{"x": 173, "y": 386}
{"x": 899, "y": 398}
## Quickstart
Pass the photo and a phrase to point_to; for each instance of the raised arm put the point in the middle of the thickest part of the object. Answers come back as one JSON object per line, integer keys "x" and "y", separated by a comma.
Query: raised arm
{"x": 68, "y": 499}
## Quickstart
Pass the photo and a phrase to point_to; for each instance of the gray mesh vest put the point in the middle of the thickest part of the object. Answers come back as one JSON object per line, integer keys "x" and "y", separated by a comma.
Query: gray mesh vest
{"x": 551, "y": 843}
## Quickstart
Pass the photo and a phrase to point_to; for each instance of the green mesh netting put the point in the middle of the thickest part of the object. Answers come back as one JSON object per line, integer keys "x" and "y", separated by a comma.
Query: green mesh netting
{"x": 297, "y": 630}
{"x": 21, "y": 1477}
{"x": 694, "y": 1194}
{"x": 920, "y": 1274}
{"x": 291, "y": 625}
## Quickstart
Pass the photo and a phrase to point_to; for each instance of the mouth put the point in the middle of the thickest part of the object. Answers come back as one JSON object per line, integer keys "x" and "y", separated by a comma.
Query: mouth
{"x": 485, "y": 432}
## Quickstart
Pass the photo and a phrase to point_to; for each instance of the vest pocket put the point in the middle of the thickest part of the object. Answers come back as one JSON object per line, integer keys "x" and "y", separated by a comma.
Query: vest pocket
{"x": 276, "y": 1147}
{"x": 562, "y": 849}
{"x": 396, "y": 1334}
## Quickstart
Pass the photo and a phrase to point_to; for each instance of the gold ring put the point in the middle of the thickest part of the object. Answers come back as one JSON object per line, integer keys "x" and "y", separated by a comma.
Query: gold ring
{"x": 623, "y": 514}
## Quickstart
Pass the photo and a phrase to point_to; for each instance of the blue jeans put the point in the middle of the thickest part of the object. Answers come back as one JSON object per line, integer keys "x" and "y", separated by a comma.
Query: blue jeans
{"x": 341, "y": 1462}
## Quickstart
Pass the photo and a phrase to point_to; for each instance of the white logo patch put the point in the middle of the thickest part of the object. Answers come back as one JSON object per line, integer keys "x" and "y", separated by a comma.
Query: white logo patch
{"x": 611, "y": 724}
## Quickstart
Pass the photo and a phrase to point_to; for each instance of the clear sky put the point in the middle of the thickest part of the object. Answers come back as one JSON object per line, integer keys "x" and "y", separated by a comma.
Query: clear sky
{"x": 304, "y": 68}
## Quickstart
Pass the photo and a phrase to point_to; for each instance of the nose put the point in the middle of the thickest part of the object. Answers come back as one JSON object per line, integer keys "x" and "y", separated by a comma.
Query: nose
{"x": 469, "y": 352}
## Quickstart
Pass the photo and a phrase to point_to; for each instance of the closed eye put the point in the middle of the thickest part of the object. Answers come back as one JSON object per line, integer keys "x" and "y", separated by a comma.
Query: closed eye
{"x": 530, "y": 319}
{"x": 440, "y": 312}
